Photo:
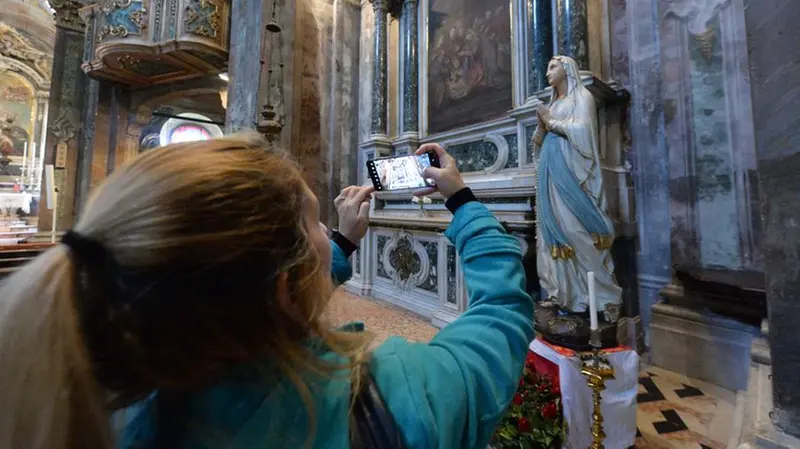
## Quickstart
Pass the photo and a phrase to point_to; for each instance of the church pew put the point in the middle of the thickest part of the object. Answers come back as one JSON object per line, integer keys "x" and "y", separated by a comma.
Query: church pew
{"x": 12, "y": 257}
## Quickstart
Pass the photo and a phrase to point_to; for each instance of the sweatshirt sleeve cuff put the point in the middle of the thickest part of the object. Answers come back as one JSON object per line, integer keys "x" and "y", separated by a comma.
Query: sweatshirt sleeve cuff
{"x": 459, "y": 199}
{"x": 347, "y": 247}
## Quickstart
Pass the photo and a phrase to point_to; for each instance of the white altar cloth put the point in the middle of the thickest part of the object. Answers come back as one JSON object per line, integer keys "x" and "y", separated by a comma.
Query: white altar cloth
{"x": 16, "y": 201}
{"x": 619, "y": 397}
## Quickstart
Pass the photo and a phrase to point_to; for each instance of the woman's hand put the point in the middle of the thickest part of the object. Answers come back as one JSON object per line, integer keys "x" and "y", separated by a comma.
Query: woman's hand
{"x": 447, "y": 178}
{"x": 352, "y": 205}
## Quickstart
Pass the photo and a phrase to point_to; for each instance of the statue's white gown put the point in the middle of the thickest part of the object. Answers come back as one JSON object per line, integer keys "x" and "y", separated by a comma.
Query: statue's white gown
{"x": 572, "y": 219}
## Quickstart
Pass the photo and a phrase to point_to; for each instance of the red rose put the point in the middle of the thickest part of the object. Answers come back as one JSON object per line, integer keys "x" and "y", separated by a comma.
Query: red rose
{"x": 517, "y": 399}
{"x": 550, "y": 411}
{"x": 523, "y": 425}
{"x": 530, "y": 361}
{"x": 542, "y": 387}
{"x": 556, "y": 388}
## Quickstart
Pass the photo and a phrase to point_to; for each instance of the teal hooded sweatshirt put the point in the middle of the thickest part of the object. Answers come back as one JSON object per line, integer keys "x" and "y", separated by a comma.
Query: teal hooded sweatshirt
{"x": 448, "y": 393}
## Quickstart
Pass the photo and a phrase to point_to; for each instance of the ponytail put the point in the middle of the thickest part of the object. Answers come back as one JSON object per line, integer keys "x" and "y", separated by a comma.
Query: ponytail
{"x": 49, "y": 398}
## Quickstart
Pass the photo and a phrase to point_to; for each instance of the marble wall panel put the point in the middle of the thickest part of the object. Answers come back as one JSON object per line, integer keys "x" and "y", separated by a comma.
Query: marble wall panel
{"x": 709, "y": 134}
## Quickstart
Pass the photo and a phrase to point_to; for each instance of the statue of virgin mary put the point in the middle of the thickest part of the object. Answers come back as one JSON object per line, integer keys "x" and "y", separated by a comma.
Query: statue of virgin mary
{"x": 574, "y": 232}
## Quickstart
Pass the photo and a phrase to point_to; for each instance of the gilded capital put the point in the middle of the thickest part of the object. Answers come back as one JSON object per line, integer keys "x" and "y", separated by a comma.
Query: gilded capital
{"x": 67, "y": 14}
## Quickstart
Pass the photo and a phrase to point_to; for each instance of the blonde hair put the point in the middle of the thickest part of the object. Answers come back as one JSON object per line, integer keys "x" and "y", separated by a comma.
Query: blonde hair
{"x": 196, "y": 236}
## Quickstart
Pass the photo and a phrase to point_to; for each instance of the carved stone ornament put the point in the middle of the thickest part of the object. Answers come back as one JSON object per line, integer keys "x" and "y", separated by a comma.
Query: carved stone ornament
{"x": 63, "y": 129}
{"x": 67, "y": 14}
{"x": 16, "y": 46}
{"x": 406, "y": 261}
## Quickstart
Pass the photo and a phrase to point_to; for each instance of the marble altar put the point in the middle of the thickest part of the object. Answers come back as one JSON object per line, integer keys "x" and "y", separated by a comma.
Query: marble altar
{"x": 405, "y": 259}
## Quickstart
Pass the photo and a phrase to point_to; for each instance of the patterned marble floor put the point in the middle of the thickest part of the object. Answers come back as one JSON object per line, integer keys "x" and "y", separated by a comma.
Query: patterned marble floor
{"x": 674, "y": 412}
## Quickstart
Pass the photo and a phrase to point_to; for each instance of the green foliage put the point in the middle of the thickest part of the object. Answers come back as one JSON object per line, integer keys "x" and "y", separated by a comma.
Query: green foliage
{"x": 534, "y": 420}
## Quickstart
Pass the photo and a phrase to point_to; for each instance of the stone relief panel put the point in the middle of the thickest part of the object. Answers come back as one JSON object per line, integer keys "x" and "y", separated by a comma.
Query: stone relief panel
{"x": 408, "y": 261}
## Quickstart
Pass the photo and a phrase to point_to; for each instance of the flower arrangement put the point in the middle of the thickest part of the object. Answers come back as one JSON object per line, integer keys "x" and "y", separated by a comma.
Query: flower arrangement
{"x": 534, "y": 419}
{"x": 422, "y": 201}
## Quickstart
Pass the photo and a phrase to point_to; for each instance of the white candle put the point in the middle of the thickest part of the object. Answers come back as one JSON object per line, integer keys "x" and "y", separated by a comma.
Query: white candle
{"x": 24, "y": 158}
{"x": 592, "y": 302}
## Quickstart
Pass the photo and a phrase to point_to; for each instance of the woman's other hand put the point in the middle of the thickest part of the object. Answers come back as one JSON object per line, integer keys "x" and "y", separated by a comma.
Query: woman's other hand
{"x": 447, "y": 178}
{"x": 352, "y": 205}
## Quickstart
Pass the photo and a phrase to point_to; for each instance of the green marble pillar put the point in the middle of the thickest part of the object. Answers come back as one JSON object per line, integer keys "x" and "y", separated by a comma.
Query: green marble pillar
{"x": 540, "y": 50}
{"x": 379, "y": 69}
{"x": 573, "y": 31}
{"x": 409, "y": 45}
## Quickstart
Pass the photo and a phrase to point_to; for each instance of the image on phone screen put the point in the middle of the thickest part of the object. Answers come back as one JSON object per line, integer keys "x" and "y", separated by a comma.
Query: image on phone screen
{"x": 398, "y": 173}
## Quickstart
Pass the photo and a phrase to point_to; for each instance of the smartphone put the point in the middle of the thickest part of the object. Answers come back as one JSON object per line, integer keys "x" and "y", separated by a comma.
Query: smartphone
{"x": 401, "y": 172}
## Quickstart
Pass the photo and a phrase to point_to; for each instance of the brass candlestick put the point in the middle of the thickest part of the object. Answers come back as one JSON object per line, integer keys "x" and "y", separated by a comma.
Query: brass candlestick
{"x": 597, "y": 370}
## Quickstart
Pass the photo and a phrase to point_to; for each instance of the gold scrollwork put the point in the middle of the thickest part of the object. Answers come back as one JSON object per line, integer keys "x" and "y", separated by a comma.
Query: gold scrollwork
{"x": 203, "y": 24}
{"x": 127, "y": 61}
{"x": 114, "y": 31}
{"x": 138, "y": 17}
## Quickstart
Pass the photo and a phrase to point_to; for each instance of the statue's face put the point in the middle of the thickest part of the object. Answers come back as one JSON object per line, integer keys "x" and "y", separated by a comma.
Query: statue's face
{"x": 555, "y": 72}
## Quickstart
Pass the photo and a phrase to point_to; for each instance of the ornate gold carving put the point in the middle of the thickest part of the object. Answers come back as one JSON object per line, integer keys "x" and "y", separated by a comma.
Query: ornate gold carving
{"x": 203, "y": 24}
{"x": 14, "y": 45}
{"x": 114, "y": 31}
{"x": 67, "y": 14}
{"x": 128, "y": 61}
{"x": 138, "y": 17}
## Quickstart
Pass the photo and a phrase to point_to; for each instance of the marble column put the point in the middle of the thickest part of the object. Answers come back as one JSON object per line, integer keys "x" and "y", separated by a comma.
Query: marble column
{"x": 379, "y": 69}
{"x": 244, "y": 65}
{"x": 410, "y": 67}
{"x": 774, "y": 55}
{"x": 540, "y": 15}
{"x": 408, "y": 138}
{"x": 65, "y": 131}
{"x": 573, "y": 31}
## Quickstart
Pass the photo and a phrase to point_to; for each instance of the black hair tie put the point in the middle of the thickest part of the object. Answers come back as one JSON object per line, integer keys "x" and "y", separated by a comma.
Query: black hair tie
{"x": 87, "y": 250}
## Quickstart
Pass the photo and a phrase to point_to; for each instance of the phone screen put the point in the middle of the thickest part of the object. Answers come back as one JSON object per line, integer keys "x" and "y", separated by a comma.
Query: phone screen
{"x": 404, "y": 172}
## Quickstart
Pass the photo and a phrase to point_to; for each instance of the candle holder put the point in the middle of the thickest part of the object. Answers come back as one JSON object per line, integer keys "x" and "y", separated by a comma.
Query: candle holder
{"x": 597, "y": 369}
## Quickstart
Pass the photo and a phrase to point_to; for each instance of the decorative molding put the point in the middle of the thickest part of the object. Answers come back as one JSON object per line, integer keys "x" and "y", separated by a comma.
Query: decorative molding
{"x": 67, "y": 14}
{"x": 40, "y": 82}
{"x": 16, "y": 46}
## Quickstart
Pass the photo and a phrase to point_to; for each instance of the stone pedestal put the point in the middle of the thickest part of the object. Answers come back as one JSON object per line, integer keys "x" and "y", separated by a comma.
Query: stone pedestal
{"x": 757, "y": 430}
{"x": 688, "y": 338}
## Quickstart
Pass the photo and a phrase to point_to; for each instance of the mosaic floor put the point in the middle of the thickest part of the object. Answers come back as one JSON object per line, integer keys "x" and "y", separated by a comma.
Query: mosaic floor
{"x": 674, "y": 412}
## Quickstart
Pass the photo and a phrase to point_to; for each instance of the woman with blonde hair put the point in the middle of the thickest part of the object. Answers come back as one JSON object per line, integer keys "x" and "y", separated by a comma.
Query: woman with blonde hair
{"x": 184, "y": 310}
